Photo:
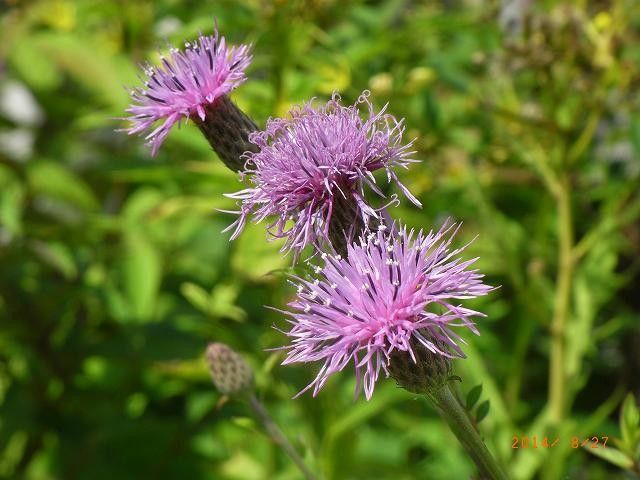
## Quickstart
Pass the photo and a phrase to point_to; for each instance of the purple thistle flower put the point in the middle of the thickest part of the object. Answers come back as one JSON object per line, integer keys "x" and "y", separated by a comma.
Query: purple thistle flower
{"x": 395, "y": 289}
{"x": 184, "y": 85}
{"x": 314, "y": 164}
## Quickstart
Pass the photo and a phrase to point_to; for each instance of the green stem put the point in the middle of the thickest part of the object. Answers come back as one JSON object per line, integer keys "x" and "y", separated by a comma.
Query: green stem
{"x": 557, "y": 375}
{"x": 457, "y": 417}
{"x": 585, "y": 138}
{"x": 278, "y": 437}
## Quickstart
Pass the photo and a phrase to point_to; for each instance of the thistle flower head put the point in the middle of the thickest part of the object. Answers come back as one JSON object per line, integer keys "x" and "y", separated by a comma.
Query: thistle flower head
{"x": 395, "y": 291}
{"x": 184, "y": 84}
{"x": 318, "y": 159}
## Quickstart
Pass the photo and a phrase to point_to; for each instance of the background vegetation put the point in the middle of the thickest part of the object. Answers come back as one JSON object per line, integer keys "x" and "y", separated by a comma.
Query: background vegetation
{"x": 114, "y": 274}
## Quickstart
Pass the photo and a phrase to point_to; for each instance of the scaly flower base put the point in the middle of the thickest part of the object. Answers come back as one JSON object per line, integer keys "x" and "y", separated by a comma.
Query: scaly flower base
{"x": 227, "y": 130}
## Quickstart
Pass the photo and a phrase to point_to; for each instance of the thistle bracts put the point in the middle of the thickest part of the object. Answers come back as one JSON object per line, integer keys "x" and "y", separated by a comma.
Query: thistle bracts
{"x": 422, "y": 370}
{"x": 227, "y": 129}
{"x": 229, "y": 372}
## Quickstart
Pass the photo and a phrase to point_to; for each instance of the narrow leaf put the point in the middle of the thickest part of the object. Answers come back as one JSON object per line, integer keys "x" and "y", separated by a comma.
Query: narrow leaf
{"x": 482, "y": 411}
{"x": 196, "y": 295}
{"x": 611, "y": 455}
{"x": 142, "y": 272}
{"x": 473, "y": 396}
{"x": 629, "y": 423}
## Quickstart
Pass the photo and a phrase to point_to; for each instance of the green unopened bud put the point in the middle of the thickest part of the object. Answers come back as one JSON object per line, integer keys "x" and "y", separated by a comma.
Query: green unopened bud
{"x": 430, "y": 372}
{"x": 230, "y": 373}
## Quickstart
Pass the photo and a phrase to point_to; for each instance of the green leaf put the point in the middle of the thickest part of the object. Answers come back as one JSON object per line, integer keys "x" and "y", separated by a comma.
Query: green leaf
{"x": 629, "y": 423}
{"x": 222, "y": 303}
{"x": 468, "y": 138}
{"x": 473, "y": 396}
{"x": 142, "y": 273}
{"x": 136, "y": 404}
{"x": 196, "y": 295}
{"x": 12, "y": 196}
{"x": 32, "y": 64}
{"x": 140, "y": 204}
{"x": 361, "y": 412}
{"x": 58, "y": 256}
{"x": 199, "y": 404}
{"x": 255, "y": 257}
{"x": 611, "y": 455}
{"x": 635, "y": 135}
{"x": 482, "y": 411}
{"x": 53, "y": 180}
{"x": 89, "y": 64}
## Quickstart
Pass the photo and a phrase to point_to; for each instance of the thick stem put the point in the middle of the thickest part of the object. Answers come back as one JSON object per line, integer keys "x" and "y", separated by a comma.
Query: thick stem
{"x": 456, "y": 416}
{"x": 227, "y": 130}
{"x": 557, "y": 375}
{"x": 278, "y": 437}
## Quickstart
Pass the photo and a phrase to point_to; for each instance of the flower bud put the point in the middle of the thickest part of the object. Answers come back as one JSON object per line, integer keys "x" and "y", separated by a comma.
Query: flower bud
{"x": 230, "y": 373}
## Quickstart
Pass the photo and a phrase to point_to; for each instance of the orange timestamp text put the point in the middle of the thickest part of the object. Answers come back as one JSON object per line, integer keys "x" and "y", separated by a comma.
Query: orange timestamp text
{"x": 525, "y": 441}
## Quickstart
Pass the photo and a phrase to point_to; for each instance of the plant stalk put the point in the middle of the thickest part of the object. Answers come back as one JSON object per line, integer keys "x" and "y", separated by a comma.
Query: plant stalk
{"x": 278, "y": 437}
{"x": 557, "y": 374}
{"x": 460, "y": 424}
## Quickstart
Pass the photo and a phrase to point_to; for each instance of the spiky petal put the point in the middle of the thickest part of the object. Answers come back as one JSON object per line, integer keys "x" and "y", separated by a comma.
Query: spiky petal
{"x": 316, "y": 161}
{"x": 395, "y": 288}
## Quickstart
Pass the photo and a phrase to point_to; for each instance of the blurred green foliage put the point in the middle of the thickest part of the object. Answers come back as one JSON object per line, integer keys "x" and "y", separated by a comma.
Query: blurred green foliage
{"x": 114, "y": 274}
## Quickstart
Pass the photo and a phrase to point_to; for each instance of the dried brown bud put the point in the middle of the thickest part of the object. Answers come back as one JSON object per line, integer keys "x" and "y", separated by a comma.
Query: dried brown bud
{"x": 229, "y": 372}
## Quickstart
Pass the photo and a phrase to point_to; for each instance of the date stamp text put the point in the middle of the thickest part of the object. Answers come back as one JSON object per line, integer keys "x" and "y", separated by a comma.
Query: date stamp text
{"x": 526, "y": 441}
